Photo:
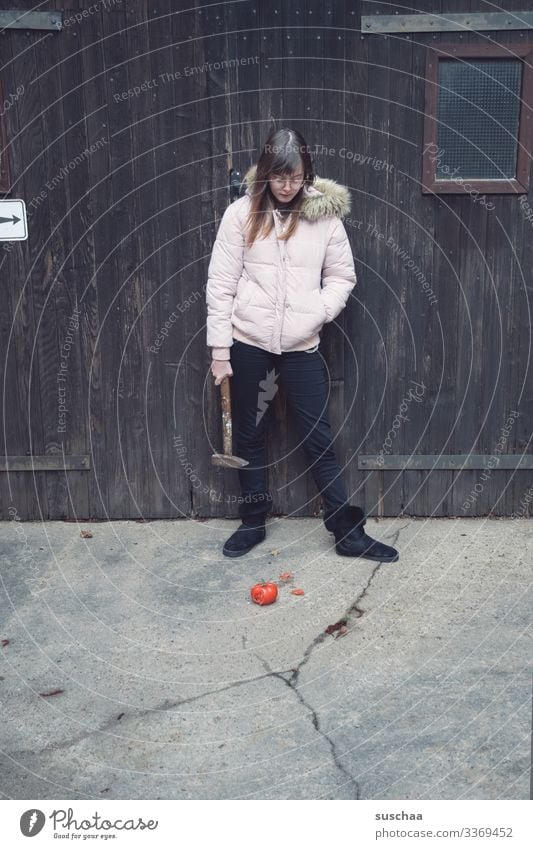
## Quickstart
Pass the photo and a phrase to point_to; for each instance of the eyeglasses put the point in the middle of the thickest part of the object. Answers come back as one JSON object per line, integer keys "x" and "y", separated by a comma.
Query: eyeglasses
{"x": 280, "y": 181}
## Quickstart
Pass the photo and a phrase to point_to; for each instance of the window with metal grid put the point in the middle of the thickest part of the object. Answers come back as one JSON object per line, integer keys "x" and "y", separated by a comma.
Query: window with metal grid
{"x": 478, "y": 117}
{"x": 478, "y": 130}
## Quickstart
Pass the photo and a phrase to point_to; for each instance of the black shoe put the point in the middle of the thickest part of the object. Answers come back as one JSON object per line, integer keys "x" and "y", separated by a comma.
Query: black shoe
{"x": 248, "y": 534}
{"x": 351, "y": 539}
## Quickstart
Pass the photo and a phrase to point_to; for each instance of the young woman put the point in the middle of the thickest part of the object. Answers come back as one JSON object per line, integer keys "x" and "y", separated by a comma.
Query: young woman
{"x": 281, "y": 268}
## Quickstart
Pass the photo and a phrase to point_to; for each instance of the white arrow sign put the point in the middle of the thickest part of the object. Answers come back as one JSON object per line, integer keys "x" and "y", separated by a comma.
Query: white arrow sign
{"x": 13, "y": 221}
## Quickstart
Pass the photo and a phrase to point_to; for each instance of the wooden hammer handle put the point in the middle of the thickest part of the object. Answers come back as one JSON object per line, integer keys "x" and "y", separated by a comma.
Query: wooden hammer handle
{"x": 225, "y": 400}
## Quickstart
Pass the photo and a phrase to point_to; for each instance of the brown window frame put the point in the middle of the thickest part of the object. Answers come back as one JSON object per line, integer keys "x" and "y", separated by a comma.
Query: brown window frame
{"x": 518, "y": 184}
{"x": 5, "y": 174}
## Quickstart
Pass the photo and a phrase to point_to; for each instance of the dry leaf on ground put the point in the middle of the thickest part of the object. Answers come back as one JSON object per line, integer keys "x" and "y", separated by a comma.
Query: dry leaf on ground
{"x": 336, "y": 627}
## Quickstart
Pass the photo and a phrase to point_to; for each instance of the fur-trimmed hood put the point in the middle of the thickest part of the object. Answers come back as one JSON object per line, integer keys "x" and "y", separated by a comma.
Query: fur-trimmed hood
{"x": 324, "y": 198}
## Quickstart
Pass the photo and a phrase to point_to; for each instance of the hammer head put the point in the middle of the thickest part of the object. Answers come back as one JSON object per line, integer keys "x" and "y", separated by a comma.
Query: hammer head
{"x": 229, "y": 461}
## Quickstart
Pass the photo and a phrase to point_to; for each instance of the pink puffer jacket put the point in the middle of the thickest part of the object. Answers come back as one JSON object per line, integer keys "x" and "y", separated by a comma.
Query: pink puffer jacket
{"x": 270, "y": 295}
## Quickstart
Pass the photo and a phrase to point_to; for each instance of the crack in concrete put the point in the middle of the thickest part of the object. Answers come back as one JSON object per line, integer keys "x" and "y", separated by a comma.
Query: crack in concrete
{"x": 137, "y": 714}
{"x": 395, "y": 534}
{"x": 316, "y": 724}
{"x": 354, "y": 608}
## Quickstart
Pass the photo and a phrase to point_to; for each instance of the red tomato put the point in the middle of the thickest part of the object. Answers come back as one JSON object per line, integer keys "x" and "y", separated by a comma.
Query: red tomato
{"x": 264, "y": 593}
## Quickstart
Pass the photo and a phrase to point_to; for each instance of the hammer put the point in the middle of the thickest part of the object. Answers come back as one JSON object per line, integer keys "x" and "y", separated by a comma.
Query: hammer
{"x": 227, "y": 459}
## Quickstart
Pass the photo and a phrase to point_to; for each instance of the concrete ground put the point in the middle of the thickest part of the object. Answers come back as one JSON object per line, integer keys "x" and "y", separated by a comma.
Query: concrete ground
{"x": 135, "y": 665}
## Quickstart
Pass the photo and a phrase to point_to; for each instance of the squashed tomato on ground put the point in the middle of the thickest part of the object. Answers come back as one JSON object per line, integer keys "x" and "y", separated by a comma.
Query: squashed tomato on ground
{"x": 264, "y": 593}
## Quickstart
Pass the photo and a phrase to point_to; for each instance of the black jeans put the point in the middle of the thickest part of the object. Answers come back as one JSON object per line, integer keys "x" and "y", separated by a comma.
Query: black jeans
{"x": 254, "y": 384}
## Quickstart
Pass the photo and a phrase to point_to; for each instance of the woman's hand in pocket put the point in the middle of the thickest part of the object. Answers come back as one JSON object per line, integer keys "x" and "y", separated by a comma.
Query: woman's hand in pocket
{"x": 221, "y": 369}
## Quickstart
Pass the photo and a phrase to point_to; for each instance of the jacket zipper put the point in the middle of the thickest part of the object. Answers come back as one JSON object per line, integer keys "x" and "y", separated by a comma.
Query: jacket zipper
{"x": 282, "y": 251}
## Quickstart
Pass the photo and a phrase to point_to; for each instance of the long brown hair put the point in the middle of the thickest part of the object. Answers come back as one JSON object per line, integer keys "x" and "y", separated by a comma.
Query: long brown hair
{"x": 283, "y": 153}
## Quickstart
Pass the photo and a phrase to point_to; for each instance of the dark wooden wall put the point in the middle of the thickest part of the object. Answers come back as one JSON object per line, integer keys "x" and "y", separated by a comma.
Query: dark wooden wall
{"x": 125, "y": 237}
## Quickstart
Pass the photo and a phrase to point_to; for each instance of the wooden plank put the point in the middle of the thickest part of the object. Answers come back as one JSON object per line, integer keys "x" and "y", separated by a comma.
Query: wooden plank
{"x": 471, "y": 371}
{"x": 401, "y": 243}
{"x": 54, "y": 156}
{"x": 58, "y": 343}
{"x": 121, "y": 338}
{"x": 16, "y": 314}
{"x": 98, "y": 240}
{"x": 150, "y": 49}
{"x": 80, "y": 152}
{"x": 508, "y": 384}
{"x": 357, "y": 319}
{"x": 500, "y": 391}
{"x": 330, "y": 46}
{"x": 7, "y": 99}
{"x": 432, "y": 418}
{"x": 434, "y": 316}
{"x": 518, "y": 389}
{"x": 380, "y": 405}
{"x": 171, "y": 40}
{"x": 121, "y": 259}
{"x": 56, "y": 365}
{"x": 136, "y": 395}
{"x": 206, "y": 131}
{"x": 55, "y": 396}
{"x": 93, "y": 280}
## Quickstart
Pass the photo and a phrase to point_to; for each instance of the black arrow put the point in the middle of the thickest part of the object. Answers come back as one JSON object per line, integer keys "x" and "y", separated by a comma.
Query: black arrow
{"x": 14, "y": 219}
